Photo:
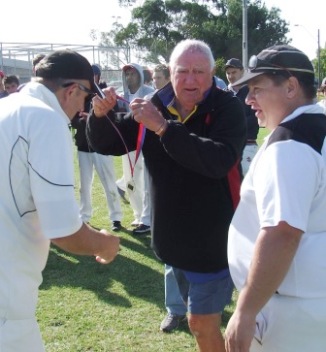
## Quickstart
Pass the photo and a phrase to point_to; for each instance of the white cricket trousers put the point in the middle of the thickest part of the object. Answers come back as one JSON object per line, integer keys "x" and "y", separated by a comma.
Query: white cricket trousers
{"x": 139, "y": 198}
{"x": 104, "y": 167}
{"x": 20, "y": 335}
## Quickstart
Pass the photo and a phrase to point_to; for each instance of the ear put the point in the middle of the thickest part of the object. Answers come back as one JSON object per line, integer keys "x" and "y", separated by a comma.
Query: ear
{"x": 293, "y": 87}
{"x": 64, "y": 95}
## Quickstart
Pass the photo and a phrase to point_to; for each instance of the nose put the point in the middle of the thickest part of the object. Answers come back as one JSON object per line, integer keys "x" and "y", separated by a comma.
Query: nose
{"x": 249, "y": 98}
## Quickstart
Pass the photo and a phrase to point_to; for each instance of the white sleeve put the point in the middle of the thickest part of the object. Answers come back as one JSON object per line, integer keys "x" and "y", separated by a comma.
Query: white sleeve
{"x": 286, "y": 182}
{"x": 52, "y": 177}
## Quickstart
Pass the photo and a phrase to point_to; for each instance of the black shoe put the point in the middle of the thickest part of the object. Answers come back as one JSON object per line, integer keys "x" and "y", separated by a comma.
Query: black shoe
{"x": 171, "y": 322}
{"x": 122, "y": 194}
{"x": 140, "y": 229}
{"x": 116, "y": 226}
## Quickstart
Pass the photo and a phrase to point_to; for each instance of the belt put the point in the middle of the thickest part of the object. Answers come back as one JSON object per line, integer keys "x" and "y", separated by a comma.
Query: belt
{"x": 251, "y": 142}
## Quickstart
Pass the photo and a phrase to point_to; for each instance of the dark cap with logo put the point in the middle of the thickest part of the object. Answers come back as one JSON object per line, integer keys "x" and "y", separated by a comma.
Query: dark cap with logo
{"x": 278, "y": 59}
{"x": 236, "y": 63}
{"x": 66, "y": 64}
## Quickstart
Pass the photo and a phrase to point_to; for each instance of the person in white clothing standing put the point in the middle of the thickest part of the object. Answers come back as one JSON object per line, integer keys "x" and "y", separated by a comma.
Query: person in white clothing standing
{"x": 37, "y": 199}
{"x": 103, "y": 164}
{"x": 133, "y": 179}
{"x": 277, "y": 238}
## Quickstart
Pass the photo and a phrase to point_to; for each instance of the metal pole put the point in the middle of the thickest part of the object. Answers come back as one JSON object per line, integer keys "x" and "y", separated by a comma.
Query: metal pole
{"x": 244, "y": 34}
{"x": 318, "y": 43}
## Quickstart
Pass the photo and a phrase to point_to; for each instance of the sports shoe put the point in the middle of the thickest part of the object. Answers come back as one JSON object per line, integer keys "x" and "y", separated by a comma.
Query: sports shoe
{"x": 135, "y": 223}
{"x": 116, "y": 226}
{"x": 140, "y": 229}
{"x": 171, "y": 322}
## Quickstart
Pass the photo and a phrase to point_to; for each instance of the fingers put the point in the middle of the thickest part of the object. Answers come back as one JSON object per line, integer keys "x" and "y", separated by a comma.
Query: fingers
{"x": 110, "y": 250}
{"x": 102, "y": 106}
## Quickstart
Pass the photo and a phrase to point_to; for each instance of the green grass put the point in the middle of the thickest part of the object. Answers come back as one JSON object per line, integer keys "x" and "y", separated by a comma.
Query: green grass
{"x": 85, "y": 306}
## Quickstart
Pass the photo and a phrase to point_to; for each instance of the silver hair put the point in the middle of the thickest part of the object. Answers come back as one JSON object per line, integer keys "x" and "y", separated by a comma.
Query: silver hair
{"x": 191, "y": 46}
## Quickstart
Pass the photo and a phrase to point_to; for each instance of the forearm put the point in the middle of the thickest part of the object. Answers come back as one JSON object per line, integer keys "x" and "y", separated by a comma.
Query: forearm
{"x": 88, "y": 241}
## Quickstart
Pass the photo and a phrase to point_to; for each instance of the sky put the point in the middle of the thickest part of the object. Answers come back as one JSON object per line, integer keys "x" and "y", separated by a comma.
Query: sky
{"x": 71, "y": 21}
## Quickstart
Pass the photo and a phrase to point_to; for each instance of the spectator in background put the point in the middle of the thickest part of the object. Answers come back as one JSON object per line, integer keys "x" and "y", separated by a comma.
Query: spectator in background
{"x": 103, "y": 164}
{"x": 148, "y": 79}
{"x": 195, "y": 133}
{"x": 36, "y": 60}
{"x": 11, "y": 84}
{"x": 3, "y": 92}
{"x": 37, "y": 200}
{"x": 277, "y": 238}
{"x": 161, "y": 76}
{"x": 234, "y": 71}
{"x": 133, "y": 181}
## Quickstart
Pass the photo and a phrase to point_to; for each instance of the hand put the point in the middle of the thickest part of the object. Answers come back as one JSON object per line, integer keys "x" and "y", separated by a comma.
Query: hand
{"x": 110, "y": 251}
{"x": 239, "y": 332}
{"x": 145, "y": 112}
{"x": 103, "y": 106}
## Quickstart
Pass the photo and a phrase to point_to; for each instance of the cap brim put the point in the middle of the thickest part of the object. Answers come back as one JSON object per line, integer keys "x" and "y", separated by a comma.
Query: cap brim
{"x": 246, "y": 78}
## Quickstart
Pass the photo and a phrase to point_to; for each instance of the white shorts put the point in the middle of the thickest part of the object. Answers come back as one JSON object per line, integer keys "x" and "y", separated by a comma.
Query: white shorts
{"x": 288, "y": 324}
{"x": 20, "y": 335}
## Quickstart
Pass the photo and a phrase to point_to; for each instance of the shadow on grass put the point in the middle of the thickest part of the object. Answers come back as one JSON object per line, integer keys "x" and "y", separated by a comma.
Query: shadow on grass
{"x": 136, "y": 269}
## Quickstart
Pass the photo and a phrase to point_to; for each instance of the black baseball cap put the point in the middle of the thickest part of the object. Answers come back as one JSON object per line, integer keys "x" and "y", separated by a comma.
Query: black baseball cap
{"x": 236, "y": 63}
{"x": 96, "y": 70}
{"x": 66, "y": 64}
{"x": 278, "y": 58}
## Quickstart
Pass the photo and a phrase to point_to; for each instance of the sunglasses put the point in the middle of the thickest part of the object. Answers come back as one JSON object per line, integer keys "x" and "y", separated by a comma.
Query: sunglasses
{"x": 81, "y": 87}
{"x": 256, "y": 64}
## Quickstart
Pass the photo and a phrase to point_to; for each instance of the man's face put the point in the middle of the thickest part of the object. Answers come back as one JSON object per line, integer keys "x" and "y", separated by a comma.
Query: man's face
{"x": 75, "y": 97}
{"x": 233, "y": 74}
{"x": 159, "y": 79}
{"x": 132, "y": 79}
{"x": 191, "y": 77}
{"x": 11, "y": 87}
{"x": 270, "y": 101}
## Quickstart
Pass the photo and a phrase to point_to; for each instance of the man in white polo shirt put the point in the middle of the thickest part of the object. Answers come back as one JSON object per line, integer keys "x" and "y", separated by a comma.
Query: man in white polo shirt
{"x": 277, "y": 237}
{"x": 37, "y": 201}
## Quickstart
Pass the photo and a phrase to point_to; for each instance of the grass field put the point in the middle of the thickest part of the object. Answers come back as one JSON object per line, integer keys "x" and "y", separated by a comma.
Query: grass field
{"x": 85, "y": 306}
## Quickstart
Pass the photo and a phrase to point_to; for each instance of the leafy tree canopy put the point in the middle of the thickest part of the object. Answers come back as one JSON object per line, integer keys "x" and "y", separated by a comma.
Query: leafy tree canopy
{"x": 158, "y": 25}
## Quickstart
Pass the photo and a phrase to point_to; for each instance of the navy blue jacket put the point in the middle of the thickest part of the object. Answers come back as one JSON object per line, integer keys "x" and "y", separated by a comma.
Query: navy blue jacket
{"x": 194, "y": 176}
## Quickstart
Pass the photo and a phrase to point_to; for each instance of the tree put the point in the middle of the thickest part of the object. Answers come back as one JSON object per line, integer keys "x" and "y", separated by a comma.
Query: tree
{"x": 158, "y": 25}
{"x": 322, "y": 73}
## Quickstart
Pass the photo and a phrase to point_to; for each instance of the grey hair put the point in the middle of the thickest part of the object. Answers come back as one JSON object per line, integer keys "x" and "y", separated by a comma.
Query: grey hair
{"x": 191, "y": 46}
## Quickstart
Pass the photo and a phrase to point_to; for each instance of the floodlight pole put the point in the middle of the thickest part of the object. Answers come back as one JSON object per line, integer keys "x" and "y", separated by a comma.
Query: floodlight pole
{"x": 318, "y": 54}
{"x": 244, "y": 34}
{"x": 318, "y": 50}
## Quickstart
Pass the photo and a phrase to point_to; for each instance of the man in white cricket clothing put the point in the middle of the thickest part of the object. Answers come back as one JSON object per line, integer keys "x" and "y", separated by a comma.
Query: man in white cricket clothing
{"x": 37, "y": 201}
{"x": 277, "y": 237}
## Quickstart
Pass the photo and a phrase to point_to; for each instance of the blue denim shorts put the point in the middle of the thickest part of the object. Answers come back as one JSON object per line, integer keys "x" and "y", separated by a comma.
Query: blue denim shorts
{"x": 208, "y": 297}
